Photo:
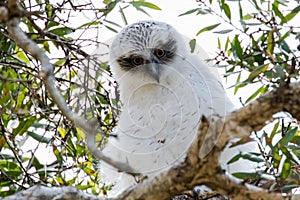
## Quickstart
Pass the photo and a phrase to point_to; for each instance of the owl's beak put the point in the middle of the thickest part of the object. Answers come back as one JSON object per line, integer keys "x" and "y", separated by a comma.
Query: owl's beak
{"x": 155, "y": 69}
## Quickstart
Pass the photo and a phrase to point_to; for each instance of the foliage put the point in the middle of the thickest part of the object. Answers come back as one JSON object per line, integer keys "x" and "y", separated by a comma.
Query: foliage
{"x": 264, "y": 48}
{"x": 262, "y": 51}
{"x": 37, "y": 144}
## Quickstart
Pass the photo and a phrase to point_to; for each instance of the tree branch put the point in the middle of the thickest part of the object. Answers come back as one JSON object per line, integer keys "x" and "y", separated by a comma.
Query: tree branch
{"x": 206, "y": 171}
{"x": 15, "y": 11}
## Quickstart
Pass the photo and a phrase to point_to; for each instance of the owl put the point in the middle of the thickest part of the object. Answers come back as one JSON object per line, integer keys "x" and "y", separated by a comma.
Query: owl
{"x": 165, "y": 89}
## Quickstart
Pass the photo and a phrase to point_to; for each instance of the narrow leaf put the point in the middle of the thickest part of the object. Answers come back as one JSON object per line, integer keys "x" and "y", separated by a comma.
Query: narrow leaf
{"x": 24, "y": 125}
{"x": 145, "y": 4}
{"x": 234, "y": 158}
{"x": 227, "y": 11}
{"x": 245, "y": 175}
{"x": 237, "y": 47}
{"x": 223, "y": 31}
{"x": 123, "y": 15}
{"x": 62, "y": 31}
{"x": 39, "y": 138}
{"x": 258, "y": 71}
{"x": 189, "y": 12}
{"x": 208, "y": 28}
{"x": 192, "y": 44}
{"x": 237, "y": 81}
{"x": 271, "y": 42}
{"x": 286, "y": 168}
{"x": 253, "y": 158}
{"x": 289, "y": 136}
{"x": 255, "y": 94}
{"x": 278, "y": 13}
{"x": 89, "y": 24}
{"x": 111, "y": 29}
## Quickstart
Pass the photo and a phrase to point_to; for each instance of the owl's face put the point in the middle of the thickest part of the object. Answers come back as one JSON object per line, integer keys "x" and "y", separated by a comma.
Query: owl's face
{"x": 145, "y": 48}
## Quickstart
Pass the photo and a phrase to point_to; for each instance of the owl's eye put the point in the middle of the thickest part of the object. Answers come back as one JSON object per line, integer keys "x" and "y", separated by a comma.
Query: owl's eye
{"x": 159, "y": 53}
{"x": 137, "y": 60}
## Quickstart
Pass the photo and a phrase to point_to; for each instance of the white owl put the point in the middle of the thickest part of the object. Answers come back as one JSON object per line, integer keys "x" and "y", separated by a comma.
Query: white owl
{"x": 165, "y": 89}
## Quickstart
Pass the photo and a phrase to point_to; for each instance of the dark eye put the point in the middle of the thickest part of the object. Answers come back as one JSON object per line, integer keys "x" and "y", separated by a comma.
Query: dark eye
{"x": 159, "y": 53}
{"x": 137, "y": 60}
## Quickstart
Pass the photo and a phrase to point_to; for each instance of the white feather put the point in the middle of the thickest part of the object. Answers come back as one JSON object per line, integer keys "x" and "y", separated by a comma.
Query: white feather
{"x": 159, "y": 121}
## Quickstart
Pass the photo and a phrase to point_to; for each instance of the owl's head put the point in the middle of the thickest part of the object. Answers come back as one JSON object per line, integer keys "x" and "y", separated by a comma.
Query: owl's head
{"x": 144, "y": 48}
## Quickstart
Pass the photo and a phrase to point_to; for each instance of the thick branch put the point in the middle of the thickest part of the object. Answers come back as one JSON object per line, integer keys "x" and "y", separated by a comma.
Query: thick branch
{"x": 196, "y": 170}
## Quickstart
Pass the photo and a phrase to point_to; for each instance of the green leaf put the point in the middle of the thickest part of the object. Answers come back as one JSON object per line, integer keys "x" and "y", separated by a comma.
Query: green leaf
{"x": 276, "y": 157}
{"x": 271, "y": 42}
{"x": 138, "y": 4}
{"x": 39, "y": 138}
{"x": 258, "y": 70}
{"x": 290, "y": 16}
{"x": 239, "y": 85}
{"x": 285, "y": 47}
{"x": 247, "y": 17}
{"x": 278, "y": 13}
{"x": 110, "y": 6}
{"x": 111, "y": 29}
{"x": 21, "y": 55}
{"x": 60, "y": 62}
{"x": 189, "y": 12}
{"x": 245, "y": 175}
{"x": 236, "y": 88}
{"x": 49, "y": 12}
{"x": 237, "y": 49}
{"x": 20, "y": 99}
{"x": 274, "y": 131}
{"x": 52, "y": 24}
{"x": 296, "y": 10}
{"x": 83, "y": 187}
{"x": 227, "y": 11}
{"x": 234, "y": 158}
{"x": 288, "y": 188}
{"x": 279, "y": 71}
{"x": 123, "y": 15}
{"x": 58, "y": 155}
{"x": 89, "y": 24}
{"x": 208, "y": 28}
{"x": 227, "y": 44}
{"x": 46, "y": 46}
{"x": 24, "y": 125}
{"x": 223, "y": 31}
{"x": 192, "y": 44}
{"x": 252, "y": 157}
{"x": 260, "y": 90}
{"x": 286, "y": 168}
{"x": 289, "y": 136}
{"x": 62, "y": 31}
